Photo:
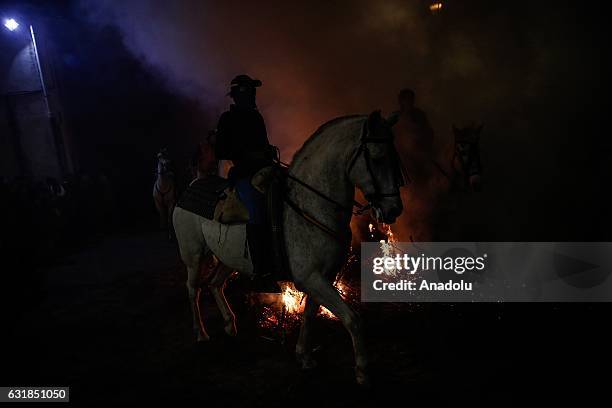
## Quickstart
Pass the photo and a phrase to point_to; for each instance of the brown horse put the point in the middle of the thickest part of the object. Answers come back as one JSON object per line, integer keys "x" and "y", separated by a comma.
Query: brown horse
{"x": 439, "y": 178}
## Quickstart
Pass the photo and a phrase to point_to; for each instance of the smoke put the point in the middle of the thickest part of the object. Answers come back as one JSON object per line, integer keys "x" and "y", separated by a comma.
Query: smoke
{"x": 496, "y": 64}
{"x": 316, "y": 62}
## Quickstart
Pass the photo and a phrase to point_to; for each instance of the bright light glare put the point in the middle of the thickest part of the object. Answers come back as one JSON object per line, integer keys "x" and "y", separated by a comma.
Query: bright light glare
{"x": 11, "y": 24}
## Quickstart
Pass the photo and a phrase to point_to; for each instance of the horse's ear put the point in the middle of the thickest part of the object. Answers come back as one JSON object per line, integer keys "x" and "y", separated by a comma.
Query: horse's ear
{"x": 374, "y": 120}
{"x": 375, "y": 117}
{"x": 393, "y": 118}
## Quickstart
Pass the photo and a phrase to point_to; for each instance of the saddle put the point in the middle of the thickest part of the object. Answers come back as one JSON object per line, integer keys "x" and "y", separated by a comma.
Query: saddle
{"x": 213, "y": 198}
{"x": 203, "y": 196}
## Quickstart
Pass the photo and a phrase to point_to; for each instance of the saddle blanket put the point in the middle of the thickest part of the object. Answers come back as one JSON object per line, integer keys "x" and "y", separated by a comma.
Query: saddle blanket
{"x": 202, "y": 196}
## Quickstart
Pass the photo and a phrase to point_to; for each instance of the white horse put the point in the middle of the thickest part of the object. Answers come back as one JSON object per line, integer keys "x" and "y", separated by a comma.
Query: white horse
{"x": 164, "y": 193}
{"x": 348, "y": 152}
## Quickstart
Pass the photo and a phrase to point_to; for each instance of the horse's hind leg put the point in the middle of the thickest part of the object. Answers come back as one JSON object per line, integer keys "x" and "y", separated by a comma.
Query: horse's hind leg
{"x": 194, "y": 291}
{"x": 198, "y": 325}
{"x": 303, "y": 348}
{"x": 324, "y": 293}
{"x": 217, "y": 286}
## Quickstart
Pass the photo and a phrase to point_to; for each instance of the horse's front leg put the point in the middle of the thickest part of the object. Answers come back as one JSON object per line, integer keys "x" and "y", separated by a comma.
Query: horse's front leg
{"x": 303, "y": 347}
{"x": 169, "y": 220}
{"x": 217, "y": 286}
{"x": 324, "y": 293}
{"x": 161, "y": 210}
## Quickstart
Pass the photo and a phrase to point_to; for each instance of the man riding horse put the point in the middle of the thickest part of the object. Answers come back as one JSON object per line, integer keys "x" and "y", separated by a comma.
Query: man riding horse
{"x": 243, "y": 139}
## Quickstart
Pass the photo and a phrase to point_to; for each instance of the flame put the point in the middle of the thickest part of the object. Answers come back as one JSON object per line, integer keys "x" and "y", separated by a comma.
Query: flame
{"x": 345, "y": 292}
{"x": 389, "y": 233}
{"x": 285, "y": 310}
{"x": 292, "y": 299}
{"x": 388, "y": 249}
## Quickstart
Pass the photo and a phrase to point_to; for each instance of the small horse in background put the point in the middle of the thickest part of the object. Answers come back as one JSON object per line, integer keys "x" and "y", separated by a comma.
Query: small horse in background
{"x": 459, "y": 172}
{"x": 164, "y": 191}
{"x": 203, "y": 160}
{"x": 440, "y": 177}
{"x": 464, "y": 172}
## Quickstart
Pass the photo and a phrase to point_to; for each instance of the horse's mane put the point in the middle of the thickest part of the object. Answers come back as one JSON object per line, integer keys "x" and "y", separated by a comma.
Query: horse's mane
{"x": 322, "y": 129}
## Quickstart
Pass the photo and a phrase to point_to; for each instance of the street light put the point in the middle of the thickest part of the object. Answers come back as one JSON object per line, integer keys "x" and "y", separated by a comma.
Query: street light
{"x": 11, "y": 24}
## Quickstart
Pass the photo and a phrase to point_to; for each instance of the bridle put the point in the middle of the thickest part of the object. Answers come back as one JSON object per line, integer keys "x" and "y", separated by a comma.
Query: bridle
{"x": 469, "y": 157}
{"x": 362, "y": 149}
{"x": 163, "y": 167}
{"x": 399, "y": 172}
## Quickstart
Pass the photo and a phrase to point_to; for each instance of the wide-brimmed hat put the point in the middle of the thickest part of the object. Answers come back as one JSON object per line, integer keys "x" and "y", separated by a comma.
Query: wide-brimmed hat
{"x": 243, "y": 80}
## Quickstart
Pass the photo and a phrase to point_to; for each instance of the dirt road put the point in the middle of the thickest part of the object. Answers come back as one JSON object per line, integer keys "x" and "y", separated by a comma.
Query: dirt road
{"x": 112, "y": 322}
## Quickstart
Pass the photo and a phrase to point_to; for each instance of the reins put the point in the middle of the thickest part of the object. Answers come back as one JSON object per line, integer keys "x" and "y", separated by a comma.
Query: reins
{"x": 313, "y": 220}
{"x": 310, "y": 218}
{"x": 361, "y": 208}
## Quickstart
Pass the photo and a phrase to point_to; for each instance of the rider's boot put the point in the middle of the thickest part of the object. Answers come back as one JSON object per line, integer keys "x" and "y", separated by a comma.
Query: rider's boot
{"x": 263, "y": 268}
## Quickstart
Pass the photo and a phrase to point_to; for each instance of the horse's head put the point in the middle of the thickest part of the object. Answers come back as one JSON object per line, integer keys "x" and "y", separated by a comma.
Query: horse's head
{"x": 467, "y": 152}
{"x": 163, "y": 162}
{"x": 163, "y": 153}
{"x": 375, "y": 168}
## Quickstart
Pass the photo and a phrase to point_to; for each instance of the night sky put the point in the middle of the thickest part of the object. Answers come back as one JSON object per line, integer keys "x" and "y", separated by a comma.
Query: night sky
{"x": 138, "y": 75}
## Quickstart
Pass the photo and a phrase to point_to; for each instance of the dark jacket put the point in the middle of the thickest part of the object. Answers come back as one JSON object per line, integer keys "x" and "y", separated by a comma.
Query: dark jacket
{"x": 242, "y": 138}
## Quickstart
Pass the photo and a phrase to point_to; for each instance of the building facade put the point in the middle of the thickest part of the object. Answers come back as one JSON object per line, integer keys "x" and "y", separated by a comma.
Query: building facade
{"x": 32, "y": 141}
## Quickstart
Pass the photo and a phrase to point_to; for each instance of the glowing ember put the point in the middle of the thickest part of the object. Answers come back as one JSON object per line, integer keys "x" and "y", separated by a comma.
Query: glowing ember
{"x": 284, "y": 311}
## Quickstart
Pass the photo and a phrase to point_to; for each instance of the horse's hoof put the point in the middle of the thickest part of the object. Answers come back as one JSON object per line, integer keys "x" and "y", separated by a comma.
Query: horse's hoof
{"x": 362, "y": 378}
{"x": 306, "y": 361}
{"x": 230, "y": 329}
{"x": 202, "y": 337}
